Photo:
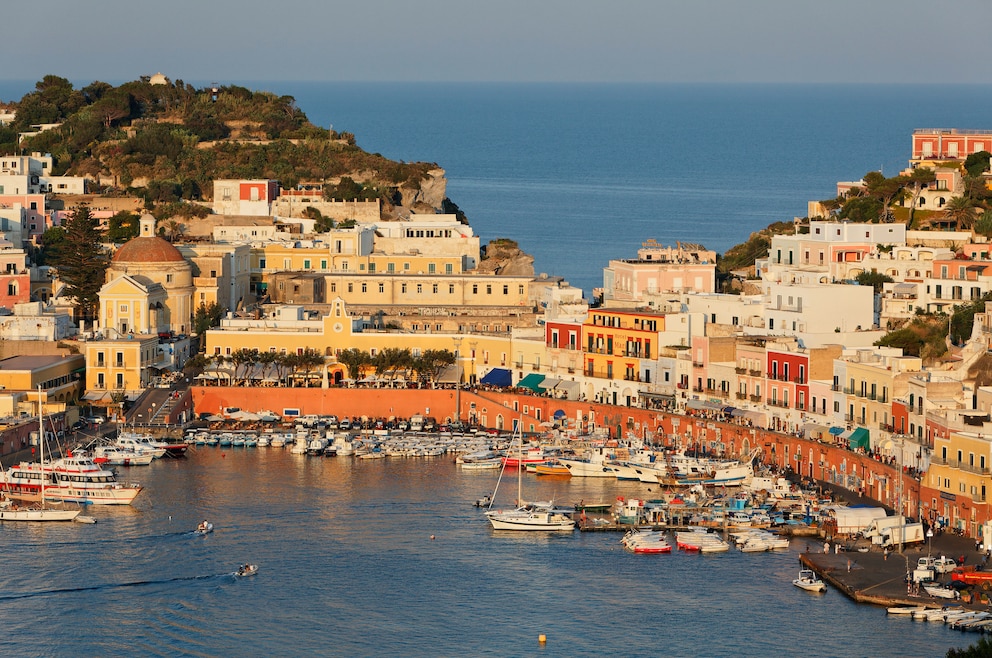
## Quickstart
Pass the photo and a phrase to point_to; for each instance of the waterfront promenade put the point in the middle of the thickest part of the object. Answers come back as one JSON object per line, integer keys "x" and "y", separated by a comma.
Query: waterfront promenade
{"x": 876, "y": 579}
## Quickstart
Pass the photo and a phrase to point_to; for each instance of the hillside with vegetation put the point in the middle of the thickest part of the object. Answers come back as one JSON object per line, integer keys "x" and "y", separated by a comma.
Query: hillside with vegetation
{"x": 170, "y": 141}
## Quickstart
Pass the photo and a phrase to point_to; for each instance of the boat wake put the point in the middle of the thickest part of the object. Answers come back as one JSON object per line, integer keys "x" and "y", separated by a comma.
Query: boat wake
{"x": 112, "y": 586}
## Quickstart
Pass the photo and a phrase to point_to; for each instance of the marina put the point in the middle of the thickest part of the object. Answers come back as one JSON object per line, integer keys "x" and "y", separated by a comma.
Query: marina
{"x": 343, "y": 529}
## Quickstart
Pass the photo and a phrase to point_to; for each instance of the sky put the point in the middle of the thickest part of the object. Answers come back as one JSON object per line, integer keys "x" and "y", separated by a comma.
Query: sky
{"x": 740, "y": 41}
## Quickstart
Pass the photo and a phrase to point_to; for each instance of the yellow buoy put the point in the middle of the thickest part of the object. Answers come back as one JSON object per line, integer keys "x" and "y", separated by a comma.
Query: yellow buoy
{"x": 542, "y": 638}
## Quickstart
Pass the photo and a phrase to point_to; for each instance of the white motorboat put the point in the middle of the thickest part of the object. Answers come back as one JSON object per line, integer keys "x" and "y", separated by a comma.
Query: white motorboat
{"x": 700, "y": 541}
{"x": 482, "y": 465}
{"x": 246, "y": 570}
{"x": 809, "y": 581}
{"x": 646, "y": 541}
{"x": 138, "y": 443}
{"x": 941, "y": 591}
{"x": 116, "y": 456}
{"x": 204, "y": 528}
{"x": 905, "y": 609}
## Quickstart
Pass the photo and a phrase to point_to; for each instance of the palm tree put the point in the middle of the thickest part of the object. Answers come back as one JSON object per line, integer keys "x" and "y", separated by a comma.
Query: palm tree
{"x": 962, "y": 211}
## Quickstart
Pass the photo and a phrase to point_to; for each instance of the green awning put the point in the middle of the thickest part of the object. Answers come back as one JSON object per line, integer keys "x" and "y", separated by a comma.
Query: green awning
{"x": 532, "y": 381}
{"x": 859, "y": 439}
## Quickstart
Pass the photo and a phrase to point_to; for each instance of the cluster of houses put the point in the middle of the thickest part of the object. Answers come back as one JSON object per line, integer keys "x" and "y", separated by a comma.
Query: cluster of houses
{"x": 795, "y": 352}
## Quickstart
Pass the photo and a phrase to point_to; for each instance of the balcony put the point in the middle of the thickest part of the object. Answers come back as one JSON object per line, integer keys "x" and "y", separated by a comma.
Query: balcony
{"x": 697, "y": 389}
{"x": 740, "y": 371}
{"x": 698, "y": 364}
{"x": 755, "y": 398}
{"x": 835, "y": 388}
{"x": 754, "y": 373}
{"x": 741, "y": 396}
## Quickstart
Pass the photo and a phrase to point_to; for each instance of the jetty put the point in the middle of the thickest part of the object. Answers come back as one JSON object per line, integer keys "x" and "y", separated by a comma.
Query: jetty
{"x": 877, "y": 578}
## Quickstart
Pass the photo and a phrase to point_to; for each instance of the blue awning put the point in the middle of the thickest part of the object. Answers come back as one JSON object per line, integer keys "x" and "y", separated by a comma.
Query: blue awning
{"x": 836, "y": 431}
{"x": 497, "y": 377}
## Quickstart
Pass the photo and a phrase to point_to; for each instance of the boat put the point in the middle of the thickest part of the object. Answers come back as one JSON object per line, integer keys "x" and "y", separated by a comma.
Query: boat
{"x": 483, "y": 465}
{"x": 116, "y": 456}
{"x": 941, "y": 591}
{"x": 204, "y": 528}
{"x": 646, "y": 541}
{"x": 809, "y": 581}
{"x": 136, "y": 442}
{"x": 700, "y": 541}
{"x": 246, "y": 570}
{"x": 534, "y": 517}
{"x": 552, "y": 469}
{"x": 594, "y": 466}
{"x": 11, "y": 511}
{"x": 910, "y": 610}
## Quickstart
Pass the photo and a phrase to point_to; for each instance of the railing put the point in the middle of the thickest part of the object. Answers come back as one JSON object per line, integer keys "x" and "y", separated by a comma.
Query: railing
{"x": 741, "y": 396}
{"x": 755, "y": 398}
{"x": 697, "y": 389}
{"x": 740, "y": 371}
{"x": 835, "y": 388}
{"x": 754, "y": 373}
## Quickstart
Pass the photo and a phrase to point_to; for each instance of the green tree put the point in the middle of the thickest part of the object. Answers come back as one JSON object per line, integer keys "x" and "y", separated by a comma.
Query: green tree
{"x": 917, "y": 180}
{"x": 432, "y": 363}
{"x": 52, "y": 241}
{"x": 206, "y": 316}
{"x": 963, "y": 319}
{"x": 961, "y": 211}
{"x": 980, "y": 649}
{"x": 81, "y": 262}
{"x": 984, "y": 224}
{"x": 977, "y": 163}
{"x": 874, "y": 279}
{"x": 354, "y": 360}
{"x": 122, "y": 226}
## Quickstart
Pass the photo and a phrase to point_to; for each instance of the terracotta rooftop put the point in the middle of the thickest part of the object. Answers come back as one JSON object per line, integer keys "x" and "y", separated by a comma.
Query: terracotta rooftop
{"x": 147, "y": 250}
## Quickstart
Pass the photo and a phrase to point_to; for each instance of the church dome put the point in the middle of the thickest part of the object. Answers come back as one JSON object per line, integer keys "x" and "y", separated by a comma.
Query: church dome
{"x": 147, "y": 247}
{"x": 147, "y": 250}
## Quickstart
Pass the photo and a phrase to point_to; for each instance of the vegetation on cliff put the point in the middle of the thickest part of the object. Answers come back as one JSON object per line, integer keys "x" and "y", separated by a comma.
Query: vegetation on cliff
{"x": 173, "y": 140}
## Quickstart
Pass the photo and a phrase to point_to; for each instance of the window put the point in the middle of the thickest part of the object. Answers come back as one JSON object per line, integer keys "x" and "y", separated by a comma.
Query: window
{"x": 420, "y": 288}
{"x": 261, "y": 263}
{"x": 403, "y": 288}
{"x": 306, "y": 266}
{"x": 123, "y": 308}
{"x": 168, "y": 277}
{"x": 451, "y": 289}
{"x": 391, "y": 267}
{"x": 365, "y": 287}
{"x": 120, "y": 380}
{"x": 323, "y": 264}
{"x": 506, "y": 289}
{"x": 448, "y": 269}
{"x": 351, "y": 287}
{"x": 334, "y": 287}
{"x": 489, "y": 289}
{"x": 382, "y": 288}
{"x": 520, "y": 290}
{"x": 431, "y": 268}
{"x": 475, "y": 288}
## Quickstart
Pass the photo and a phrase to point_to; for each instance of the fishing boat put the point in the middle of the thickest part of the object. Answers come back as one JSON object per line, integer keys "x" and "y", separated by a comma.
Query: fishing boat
{"x": 910, "y": 610}
{"x": 526, "y": 517}
{"x": 809, "y": 581}
{"x": 483, "y": 465}
{"x": 551, "y": 468}
{"x": 11, "y": 511}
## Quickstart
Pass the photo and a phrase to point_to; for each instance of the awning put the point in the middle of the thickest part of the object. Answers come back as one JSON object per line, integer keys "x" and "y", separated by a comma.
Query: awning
{"x": 531, "y": 381}
{"x": 815, "y": 429}
{"x": 570, "y": 388}
{"x": 497, "y": 377}
{"x": 93, "y": 396}
{"x": 836, "y": 431}
{"x": 549, "y": 383}
{"x": 860, "y": 438}
{"x": 904, "y": 288}
{"x": 558, "y": 414}
{"x": 695, "y": 404}
{"x": 656, "y": 396}
{"x": 450, "y": 375}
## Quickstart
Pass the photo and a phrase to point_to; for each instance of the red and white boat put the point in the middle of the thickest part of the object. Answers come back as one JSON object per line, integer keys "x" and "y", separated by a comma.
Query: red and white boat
{"x": 646, "y": 541}
{"x": 530, "y": 456}
{"x": 75, "y": 478}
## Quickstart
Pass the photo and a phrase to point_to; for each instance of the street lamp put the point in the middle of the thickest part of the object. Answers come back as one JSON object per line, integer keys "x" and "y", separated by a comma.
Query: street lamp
{"x": 457, "y": 340}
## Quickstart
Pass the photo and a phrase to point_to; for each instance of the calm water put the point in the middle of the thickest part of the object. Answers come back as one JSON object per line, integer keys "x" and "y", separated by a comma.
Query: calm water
{"x": 580, "y": 174}
{"x": 348, "y": 568}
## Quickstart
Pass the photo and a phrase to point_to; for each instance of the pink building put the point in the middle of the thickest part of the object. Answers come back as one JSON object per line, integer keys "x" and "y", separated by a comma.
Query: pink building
{"x": 949, "y": 143}
{"x": 15, "y": 278}
{"x": 657, "y": 269}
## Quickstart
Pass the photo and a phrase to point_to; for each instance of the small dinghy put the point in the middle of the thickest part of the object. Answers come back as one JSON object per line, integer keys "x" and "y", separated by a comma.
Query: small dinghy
{"x": 246, "y": 570}
{"x": 204, "y": 528}
{"x": 809, "y": 581}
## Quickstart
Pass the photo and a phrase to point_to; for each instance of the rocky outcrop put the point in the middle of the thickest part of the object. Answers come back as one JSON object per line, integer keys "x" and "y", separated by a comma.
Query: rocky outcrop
{"x": 430, "y": 192}
{"x": 504, "y": 257}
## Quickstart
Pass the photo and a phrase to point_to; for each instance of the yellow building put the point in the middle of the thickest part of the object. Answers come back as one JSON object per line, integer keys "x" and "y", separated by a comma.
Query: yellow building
{"x": 60, "y": 377}
{"x": 958, "y": 482}
{"x": 291, "y": 329}
{"x": 148, "y": 259}
{"x": 120, "y": 365}
{"x": 870, "y": 379}
{"x": 221, "y": 274}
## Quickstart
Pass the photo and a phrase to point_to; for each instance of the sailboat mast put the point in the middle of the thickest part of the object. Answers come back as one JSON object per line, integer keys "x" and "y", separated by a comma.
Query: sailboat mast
{"x": 520, "y": 462}
{"x": 41, "y": 442}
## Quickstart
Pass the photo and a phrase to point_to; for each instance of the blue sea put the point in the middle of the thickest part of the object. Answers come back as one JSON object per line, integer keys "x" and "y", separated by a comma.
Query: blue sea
{"x": 578, "y": 175}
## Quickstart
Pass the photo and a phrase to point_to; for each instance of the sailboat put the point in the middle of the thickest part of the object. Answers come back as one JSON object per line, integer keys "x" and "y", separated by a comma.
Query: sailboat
{"x": 526, "y": 517}
{"x": 10, "y": 511}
